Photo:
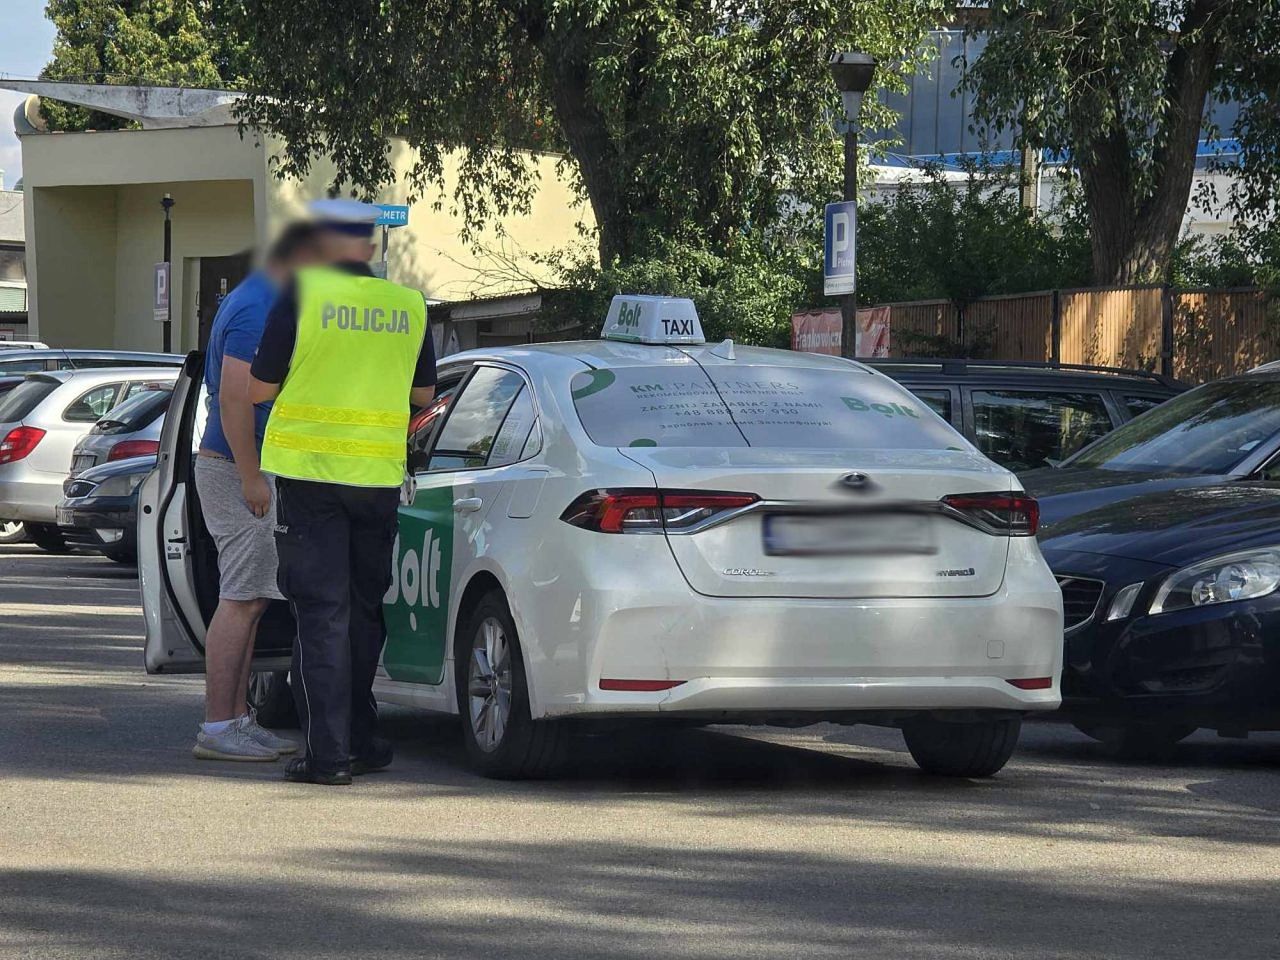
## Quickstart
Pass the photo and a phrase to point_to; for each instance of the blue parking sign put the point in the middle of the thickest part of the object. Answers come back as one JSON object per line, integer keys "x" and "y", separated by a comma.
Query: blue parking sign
{"x": 838, "y": 245}
{"x": 392, "y": 215}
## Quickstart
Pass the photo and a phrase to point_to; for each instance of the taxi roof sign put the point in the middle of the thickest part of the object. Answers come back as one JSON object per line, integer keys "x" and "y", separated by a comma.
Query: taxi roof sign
{"x": 643, "y": 319}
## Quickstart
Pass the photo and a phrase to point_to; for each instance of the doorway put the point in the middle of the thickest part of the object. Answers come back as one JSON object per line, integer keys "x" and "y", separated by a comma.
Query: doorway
{"x": 218, "y": 277}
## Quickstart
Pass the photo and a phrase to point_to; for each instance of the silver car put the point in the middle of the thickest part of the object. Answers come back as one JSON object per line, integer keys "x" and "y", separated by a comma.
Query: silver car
{"x": 44, "y": 359}
{"x": 41, "y": 420}
{"x": 130, "y": 430}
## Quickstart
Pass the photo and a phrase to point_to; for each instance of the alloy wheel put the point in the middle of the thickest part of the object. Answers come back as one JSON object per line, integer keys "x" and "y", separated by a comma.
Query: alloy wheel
{"x": 489, "y": 684}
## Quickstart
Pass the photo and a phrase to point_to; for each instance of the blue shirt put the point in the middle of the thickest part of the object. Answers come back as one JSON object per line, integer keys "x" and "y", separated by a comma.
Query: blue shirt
{"x": 237, "y": 330}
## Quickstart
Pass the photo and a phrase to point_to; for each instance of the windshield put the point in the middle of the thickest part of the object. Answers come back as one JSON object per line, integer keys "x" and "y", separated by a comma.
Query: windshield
{"x": 685, "y": 405}
{"x": 24, "y": 398}
{"x": 1208, "y": 431}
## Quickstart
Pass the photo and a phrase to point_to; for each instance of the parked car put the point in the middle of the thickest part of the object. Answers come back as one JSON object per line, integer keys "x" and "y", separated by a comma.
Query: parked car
{"x": 23, "y": 345}
{"x": 40, "y": 422}
{"x": 99, "y": 509}
{"x": 49, "y": 359}
{"x": 130, "y": 430}
{"x": 652, "y": 528}
{"x": 1165, "y": 538}
{"x": 1027, "y": 415}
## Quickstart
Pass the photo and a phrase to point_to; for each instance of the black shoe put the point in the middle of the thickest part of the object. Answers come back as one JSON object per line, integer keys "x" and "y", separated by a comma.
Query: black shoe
{"x": 378, "y": 756}
{"x": 300, "y": 770}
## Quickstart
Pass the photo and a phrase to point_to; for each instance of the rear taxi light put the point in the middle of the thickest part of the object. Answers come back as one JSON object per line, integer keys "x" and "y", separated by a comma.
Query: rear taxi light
{"x": 1002, "y": 514}
{"x": 639, "y": 686}
{"x": 19, "y": 442}
{"x": 649, "y": 511}
{"x": 133, "y": 448}
{"x": 1033, "y": 683}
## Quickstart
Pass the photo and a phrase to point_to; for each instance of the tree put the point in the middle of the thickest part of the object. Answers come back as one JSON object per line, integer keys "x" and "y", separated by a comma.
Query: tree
{"x": 681, "y": 120}
{"x": 1123, "y": 87}
{"x": 178, "y": 42}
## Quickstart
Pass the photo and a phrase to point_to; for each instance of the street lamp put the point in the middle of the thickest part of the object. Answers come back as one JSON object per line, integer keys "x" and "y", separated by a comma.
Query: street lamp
{"x": 168, "y": 203}
{"x": 852, "y": 71}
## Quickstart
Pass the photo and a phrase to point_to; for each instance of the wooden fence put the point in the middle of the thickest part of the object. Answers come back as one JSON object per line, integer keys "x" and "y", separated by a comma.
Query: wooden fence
{"x": 1195, "y": 334}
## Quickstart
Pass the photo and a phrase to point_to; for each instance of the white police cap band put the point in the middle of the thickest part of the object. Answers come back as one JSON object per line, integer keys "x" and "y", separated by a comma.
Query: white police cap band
{"x": 347, "y": 216}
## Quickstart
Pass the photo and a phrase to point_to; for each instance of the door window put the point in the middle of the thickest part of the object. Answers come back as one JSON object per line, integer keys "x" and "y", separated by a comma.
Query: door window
{"x": 93, "y": 404}
{"x": 1022, "y": 430}
{"x": 426, "y": 422}
{"x": 939, "y": 401}
{"x": 509, "y": 445}
{"x": 477, "y": 417}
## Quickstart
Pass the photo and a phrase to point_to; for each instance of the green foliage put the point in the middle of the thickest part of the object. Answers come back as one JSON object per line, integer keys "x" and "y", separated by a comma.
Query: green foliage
{"x": 964, "y": 240}
{"x": 1122, "y": 85}
{"x": 747, "y": 296}
{"x": 680, "y": 119}
{"x": 1242, "y": 258}
{"x": 179, "y": 42}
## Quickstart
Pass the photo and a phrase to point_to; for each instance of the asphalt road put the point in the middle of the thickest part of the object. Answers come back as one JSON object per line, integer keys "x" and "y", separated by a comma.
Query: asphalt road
{"x": 822, "y": 842}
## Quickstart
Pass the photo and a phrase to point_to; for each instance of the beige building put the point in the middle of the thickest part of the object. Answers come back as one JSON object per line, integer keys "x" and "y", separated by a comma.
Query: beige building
{"x": 94, "y": 221}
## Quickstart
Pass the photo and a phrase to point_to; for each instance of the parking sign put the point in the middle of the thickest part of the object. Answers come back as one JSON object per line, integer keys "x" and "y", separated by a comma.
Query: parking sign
{"x": 840, "y": 228}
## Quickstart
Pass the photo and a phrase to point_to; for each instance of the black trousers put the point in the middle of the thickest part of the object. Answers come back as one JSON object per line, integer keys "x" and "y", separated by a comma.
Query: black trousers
{"x": 335, "y": 546}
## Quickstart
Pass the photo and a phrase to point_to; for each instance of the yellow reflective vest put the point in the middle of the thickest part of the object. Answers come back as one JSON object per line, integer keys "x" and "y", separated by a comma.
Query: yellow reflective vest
{"x": 342, "y": 415}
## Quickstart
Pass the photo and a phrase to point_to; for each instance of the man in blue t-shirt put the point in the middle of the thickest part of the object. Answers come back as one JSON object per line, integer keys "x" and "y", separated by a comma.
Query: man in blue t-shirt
{"x": 238, "y": 503}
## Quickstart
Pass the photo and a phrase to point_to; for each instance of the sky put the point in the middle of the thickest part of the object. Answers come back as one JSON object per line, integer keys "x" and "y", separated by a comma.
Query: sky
{"x": 26, "y": 39}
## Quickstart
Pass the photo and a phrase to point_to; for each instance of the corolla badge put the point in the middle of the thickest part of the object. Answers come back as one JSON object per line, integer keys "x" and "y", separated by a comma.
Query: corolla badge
{"x": 747, "y": 572}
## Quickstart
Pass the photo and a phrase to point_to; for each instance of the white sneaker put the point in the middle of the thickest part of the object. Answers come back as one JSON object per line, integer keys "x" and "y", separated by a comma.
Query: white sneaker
{"x": 233, "y": 743}
{"x": 262, "y": 735}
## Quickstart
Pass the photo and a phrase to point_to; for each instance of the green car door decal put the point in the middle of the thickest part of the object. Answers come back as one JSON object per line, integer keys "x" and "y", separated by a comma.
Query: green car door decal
{"x": 416, "y": 607}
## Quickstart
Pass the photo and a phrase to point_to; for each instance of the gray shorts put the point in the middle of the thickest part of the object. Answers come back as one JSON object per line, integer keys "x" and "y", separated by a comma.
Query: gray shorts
{"x": 246, "y": 544}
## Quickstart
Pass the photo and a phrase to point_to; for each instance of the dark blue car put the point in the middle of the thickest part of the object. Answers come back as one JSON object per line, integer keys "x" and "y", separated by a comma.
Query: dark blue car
{"x": 1165, "y": 538}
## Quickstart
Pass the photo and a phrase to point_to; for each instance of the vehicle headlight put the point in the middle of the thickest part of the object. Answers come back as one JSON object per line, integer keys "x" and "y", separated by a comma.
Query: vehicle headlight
{"x": 1234, "y": 576}
{"x": 121, "y": 486}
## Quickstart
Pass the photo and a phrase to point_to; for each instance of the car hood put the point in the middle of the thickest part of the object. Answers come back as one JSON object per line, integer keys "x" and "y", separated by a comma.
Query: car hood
{"x": 1068, "y": 491}
{"x": 1172, "y": 527}
{"x": 118, "y": 468}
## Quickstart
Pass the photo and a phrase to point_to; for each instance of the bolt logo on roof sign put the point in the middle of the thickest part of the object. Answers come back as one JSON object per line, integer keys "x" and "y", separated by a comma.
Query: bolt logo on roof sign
{"x": 641, "y": 319}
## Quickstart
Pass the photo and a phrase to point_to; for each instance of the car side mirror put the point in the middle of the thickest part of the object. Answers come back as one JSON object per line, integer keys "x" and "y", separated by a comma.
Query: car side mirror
{"x": 418, "y": 461}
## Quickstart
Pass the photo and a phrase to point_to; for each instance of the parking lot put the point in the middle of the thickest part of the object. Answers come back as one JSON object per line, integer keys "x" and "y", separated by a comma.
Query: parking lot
{"x": 818, "y": 842}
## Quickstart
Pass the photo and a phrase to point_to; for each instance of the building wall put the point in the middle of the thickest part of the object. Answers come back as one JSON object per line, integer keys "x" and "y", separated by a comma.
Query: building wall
{"x": 94, "y": 228}
{"x": 430, "y": 254}
{"x": 215, "y": 177}
{"x": 77, "y": 261}
{"x": 210, "y": 219}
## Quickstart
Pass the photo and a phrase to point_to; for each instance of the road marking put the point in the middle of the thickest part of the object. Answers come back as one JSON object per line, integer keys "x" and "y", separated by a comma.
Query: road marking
{"x": 68, "y": 610}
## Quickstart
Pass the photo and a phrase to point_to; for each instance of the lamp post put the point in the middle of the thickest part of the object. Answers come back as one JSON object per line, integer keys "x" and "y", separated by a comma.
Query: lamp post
{"x": 167, "y": 203}
{"x": 852, "y": 71}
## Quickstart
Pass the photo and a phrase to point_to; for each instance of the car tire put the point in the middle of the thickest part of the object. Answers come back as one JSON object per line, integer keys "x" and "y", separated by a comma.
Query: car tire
{"x": 13, "y": 531}
{"x": 978, "y": 749}
{"x": 502, "y": 739}
{"x": 126, "y": 557}
{"x": 271, "y": 698}
{"x": 47, "y": 537}
{"x": 1137, "y": 741}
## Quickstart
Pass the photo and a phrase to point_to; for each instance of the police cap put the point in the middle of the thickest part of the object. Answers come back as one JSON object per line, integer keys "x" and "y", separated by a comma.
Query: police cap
{"x": 345, "y": 216}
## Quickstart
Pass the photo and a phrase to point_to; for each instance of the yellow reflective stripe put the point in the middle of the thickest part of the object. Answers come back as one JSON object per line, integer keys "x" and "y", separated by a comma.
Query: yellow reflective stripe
{"x": 369, "y": 449}
{"x": 344, "y": 415}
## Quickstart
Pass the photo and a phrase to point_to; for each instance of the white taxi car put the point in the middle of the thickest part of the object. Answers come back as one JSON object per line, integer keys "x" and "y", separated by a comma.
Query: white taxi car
{"x": 648, "y": 526}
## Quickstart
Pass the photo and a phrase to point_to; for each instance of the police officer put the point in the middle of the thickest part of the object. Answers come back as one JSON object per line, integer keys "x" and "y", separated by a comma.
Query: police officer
{"x": 343, "y": 355}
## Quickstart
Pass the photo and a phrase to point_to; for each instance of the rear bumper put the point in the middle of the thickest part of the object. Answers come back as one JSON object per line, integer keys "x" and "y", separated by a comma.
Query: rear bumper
{"x": 744, "y": 657}
{"x": 29, "y": 498}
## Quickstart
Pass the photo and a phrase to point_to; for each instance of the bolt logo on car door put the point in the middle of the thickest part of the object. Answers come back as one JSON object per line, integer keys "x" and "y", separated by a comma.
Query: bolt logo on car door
{"x": 415, "y": 606}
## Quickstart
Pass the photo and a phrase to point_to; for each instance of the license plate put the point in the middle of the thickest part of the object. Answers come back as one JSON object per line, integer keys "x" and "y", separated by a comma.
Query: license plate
{"x": 846, "y": 534}
{"x": 62, "y": 516}
{"x": 82, "y": 462}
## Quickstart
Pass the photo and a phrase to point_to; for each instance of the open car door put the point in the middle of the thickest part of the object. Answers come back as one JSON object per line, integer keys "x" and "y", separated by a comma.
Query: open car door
{"x": 177, "y": 559}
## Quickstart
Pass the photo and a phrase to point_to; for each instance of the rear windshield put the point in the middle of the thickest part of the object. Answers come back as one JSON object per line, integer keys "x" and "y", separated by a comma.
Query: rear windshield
{"x": 686, "y": 405}
{"x": 24, "y": 398}
{"x": 137, "y": 412}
